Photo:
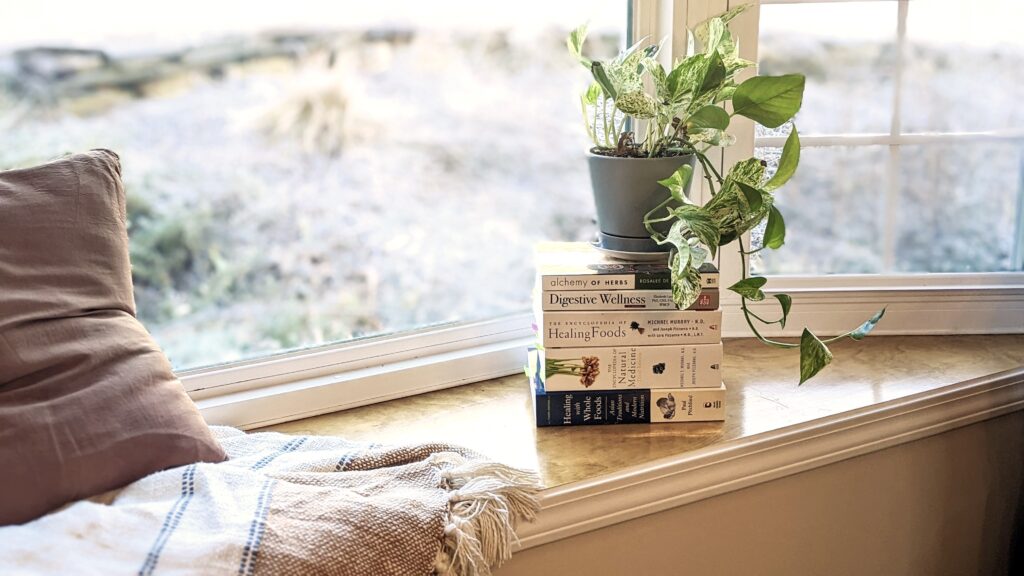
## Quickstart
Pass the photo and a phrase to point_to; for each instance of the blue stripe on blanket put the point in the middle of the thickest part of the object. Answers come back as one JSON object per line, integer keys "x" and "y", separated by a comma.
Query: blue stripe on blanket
{"x": 290, "y": 446}
{"x": 171, "y": 520}
{"x": 256, "y": 528}
{"x": 344, "y": 462}
{"x": 348, "y": 458}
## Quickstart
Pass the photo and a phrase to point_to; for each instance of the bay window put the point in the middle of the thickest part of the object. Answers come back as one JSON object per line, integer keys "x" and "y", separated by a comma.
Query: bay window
{"x": 334, "y": 204}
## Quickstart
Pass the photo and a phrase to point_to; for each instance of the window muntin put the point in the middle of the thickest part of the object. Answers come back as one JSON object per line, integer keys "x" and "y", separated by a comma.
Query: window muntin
{"x": 910, "y": 176}
{"x": 308, "y": 172}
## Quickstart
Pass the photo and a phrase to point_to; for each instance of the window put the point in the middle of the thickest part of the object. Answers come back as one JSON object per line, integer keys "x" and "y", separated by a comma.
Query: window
{"x": 373, "y": 175}
{"x": 304, "y": 172}
{"x": 913, "y": 141}
{"x": 869, "y": 224}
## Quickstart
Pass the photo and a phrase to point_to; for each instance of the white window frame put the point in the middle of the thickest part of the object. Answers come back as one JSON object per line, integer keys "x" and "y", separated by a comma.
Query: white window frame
{"x": 325, "y": 379}
{"x": 832, "y": 304}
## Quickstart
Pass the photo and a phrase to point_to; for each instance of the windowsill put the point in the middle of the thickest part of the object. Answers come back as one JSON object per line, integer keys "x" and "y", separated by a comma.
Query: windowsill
{"x": 495, "y": 417}
{"x": 878, "y": 393}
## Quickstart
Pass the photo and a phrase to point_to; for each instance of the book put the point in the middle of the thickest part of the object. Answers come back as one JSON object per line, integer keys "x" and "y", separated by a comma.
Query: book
{"x": 628, "y": 328}
{"x": 637, "y": 406}
{"x": 630, "y": 367}
{"x": 622, "y": 300}
{"x": 580, "y": 266}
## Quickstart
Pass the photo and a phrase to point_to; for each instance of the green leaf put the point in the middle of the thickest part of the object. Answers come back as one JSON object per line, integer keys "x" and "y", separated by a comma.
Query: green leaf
{"x": 714, "y": 137}
{"x": 637, "y": 104}
{"x": 753, "y": 196}
{"x": 725, "y": 93}
{"x": 814, "y": 355}
{"x": 727, "y": 238}
{"x": 657, "y": 72}
{"x": 787, "y": 163}
{"x": 678, "y": 181}
{"x": 714, "y": 75}
{"x": 575, "y": 44}
{"x": 702, "y": 31}
{"x": 701, "y": 224}
{"x": 624, "y": 72}
{"x": 786, "y": 302}
{"x": 769, "y": 100}
{"x": 715, "y": 31}
{"x": 775, "y": 230}
{"x": 868, "y": 326}
{"x": 676, "y": 88}
{"x": 708, "y": 117}
{"x": 677, "y": 237}
{"x": 750, "y": 288}
{"x": 685, "y": 281}
{"x": 592, "y": 94}
{"x": 601, "y": 76}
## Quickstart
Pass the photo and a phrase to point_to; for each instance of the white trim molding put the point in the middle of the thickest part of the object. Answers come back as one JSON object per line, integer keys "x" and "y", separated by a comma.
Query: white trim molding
{"x": 357, "y": 354}
{"x": 700, "y": 474}
{"x": 828, "y": 313}
{"x": 915, "y": 304}
{"x": 332, "y": 378}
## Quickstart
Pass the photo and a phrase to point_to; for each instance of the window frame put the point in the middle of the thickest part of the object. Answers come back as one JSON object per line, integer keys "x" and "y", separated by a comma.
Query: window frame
{"x": 323, "y": 379}
{"x": 926, "y": 303}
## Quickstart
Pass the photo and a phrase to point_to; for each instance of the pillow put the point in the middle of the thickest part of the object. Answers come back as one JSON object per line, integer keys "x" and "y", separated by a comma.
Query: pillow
{"x": 88, "y": 402}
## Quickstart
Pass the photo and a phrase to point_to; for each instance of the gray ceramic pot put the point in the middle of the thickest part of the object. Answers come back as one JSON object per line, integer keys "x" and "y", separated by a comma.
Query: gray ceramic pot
{"x": 626, "y": 189}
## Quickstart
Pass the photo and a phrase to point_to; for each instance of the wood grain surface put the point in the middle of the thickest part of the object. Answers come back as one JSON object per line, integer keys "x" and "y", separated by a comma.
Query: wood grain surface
{"x": 495, "y": 417}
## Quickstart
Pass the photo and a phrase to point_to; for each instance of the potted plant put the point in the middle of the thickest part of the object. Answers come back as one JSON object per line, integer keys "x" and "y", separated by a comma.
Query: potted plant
{"x": 641, "y": 183}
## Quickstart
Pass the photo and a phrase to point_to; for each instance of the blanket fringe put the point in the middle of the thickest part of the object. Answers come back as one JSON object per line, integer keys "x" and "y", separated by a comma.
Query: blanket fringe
{"x": 486, "y": 501}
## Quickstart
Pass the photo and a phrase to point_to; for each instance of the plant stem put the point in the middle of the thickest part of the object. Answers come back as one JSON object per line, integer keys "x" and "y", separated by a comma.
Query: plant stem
{"x": 708, "y": 170}
{"x": 713, "y": 169}
{"x": 762, "y": 320}
{"x": 604, "y": 120}
{"x": 586, "y": 122}
{"x": 657, "y": 236}
{"x": 747, "y": 313}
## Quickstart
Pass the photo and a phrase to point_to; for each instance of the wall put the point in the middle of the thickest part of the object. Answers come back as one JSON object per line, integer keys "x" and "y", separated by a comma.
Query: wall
{"x": 947, "y": 504}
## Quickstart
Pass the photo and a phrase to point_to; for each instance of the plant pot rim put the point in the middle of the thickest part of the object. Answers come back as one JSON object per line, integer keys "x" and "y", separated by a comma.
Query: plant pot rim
{"x": 592, "y": 154}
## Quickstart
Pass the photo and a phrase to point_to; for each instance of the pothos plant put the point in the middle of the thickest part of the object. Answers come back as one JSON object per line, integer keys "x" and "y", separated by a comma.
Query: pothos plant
{"x": 686, "y": 110}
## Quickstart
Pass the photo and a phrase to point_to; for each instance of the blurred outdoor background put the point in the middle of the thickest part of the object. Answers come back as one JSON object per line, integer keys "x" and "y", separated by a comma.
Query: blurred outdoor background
{"x": 305, "y": 172}
{"x": 308, "y": 172}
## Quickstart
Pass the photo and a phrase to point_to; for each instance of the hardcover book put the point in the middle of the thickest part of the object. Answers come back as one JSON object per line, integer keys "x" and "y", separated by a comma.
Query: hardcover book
{"x": 622, "y": 300}
{"x": 630, "y": 367}
{"x": 638, "y": 406}
{"x": 628, "y": 328}
{"x": 580, "y": 266}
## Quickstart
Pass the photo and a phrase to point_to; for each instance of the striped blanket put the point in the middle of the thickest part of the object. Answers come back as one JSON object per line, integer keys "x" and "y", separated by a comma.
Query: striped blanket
{"x": 289, "y": 505}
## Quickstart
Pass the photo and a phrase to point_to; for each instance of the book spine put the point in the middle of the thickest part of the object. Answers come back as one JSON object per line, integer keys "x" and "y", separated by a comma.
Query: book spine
{"x": 660, "y": 280}
{"x": 631, "y": 367}
{"x": 641, "y": 328}
{"x": 582, "y": 408}
{"x": 623, "y": 300}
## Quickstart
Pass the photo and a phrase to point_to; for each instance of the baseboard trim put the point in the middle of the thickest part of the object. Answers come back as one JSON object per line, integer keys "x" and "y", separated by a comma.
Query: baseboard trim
{"x": 676, "y": 481}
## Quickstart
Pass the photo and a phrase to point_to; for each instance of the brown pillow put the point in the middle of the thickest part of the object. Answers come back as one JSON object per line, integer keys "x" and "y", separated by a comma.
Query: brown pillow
{"x": 88, "y": 401}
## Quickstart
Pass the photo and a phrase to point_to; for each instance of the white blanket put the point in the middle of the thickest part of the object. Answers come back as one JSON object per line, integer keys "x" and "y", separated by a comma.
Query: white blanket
{"x": 289, "y": 505}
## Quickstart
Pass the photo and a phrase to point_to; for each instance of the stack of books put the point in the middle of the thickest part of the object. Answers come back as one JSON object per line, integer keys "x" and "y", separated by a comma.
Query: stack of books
{"x": 614, "y": 349}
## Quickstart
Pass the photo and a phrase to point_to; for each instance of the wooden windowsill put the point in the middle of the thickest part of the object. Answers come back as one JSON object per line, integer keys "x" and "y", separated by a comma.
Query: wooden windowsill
{"x": 495, "y": 417}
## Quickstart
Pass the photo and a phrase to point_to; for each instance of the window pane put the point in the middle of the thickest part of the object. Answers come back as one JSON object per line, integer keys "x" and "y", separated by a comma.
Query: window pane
{"x": 303, "y": 172}
{"x": 959, "y": 208}
{"x": 846, "y": 50}
{"x": 961, "y": 215}
{"x": 831, "y": 210}
{"x": 964, "y": 67}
